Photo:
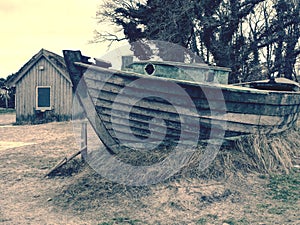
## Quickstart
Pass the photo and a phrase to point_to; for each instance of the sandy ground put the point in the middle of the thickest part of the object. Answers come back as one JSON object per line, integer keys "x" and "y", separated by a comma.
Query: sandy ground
{"x": 28, "y": 152}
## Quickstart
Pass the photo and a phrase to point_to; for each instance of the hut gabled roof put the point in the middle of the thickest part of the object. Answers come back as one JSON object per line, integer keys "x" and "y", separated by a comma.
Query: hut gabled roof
{"x": 55, "y": 60}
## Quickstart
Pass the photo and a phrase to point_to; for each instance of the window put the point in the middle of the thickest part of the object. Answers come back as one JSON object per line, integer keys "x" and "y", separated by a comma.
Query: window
{"x": 43, "y": 98}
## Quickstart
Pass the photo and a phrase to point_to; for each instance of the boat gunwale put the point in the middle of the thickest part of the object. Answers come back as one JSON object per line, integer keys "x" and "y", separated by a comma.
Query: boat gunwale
{"x": 227, "y": 87}
{"x": 281, "y": 103}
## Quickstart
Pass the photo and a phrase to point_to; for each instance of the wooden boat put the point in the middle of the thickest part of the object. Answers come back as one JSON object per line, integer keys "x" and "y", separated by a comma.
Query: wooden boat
{"x": 155, "y": 102}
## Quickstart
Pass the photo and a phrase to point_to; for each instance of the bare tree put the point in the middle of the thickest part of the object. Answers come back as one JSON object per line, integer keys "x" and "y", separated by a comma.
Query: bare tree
{"x": 163, "y": 20}
{"x": 280, "y": 36}
{"x": 240, "y": 34}
{"x": 4, "y": 95}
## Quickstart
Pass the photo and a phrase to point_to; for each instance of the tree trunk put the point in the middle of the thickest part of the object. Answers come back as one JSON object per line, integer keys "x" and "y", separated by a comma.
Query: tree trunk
{"x": 6, "y": 100}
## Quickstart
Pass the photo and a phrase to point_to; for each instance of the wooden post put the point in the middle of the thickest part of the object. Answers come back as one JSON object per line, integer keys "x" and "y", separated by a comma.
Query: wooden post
{"x": 83, "y": 140}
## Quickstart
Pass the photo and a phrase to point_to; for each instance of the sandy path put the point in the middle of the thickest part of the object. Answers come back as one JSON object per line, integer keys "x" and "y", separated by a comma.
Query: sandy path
{"x": 26, "y": 154}
{"x": 7, "y": 119}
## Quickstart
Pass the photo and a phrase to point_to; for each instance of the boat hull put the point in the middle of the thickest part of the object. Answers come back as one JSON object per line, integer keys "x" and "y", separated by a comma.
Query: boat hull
{"x": 127, "y": 107}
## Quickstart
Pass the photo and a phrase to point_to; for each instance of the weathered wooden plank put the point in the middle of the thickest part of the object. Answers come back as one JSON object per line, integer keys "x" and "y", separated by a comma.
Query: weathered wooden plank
{"x": 240, "y": 107}
{"x": 258, "y": 112}
{"x": 22, "y": 97}
{"x": 145, "y": 121}
{"x": 147, "y": 126}
{"x": 180, "y": 102}
{"x": 61, "y": 95}
{"x": 124, "y": 135}
{"x": 144, "y": 113}
{"x": 153, "y": 103}
{"x": 230, "y": 92}
{"x": 138, "y": 136}
{"x": 159, "y": 131}
{"x": 27, "y": 81}
{"x": 245, "y": 123}
{"x": 121, "y": 117}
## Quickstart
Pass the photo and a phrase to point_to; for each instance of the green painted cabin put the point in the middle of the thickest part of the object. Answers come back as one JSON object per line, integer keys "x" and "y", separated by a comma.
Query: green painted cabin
{"x": 181, "y": 71}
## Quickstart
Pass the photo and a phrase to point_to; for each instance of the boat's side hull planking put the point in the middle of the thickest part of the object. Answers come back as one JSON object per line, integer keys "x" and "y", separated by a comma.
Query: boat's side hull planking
{"x": 240, "y": 111}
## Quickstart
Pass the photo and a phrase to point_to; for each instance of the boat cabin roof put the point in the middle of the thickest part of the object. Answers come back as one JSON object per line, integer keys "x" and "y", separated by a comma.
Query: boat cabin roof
{"x": 280, "y": 84}
{"x": 181, "y": 65}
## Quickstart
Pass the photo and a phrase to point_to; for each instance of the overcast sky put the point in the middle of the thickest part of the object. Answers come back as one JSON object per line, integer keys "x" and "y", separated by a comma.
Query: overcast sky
{"x": 29, "y": 25}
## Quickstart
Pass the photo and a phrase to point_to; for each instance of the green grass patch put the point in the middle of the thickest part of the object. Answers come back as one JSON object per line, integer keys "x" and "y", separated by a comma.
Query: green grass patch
{"x": 202, "y": 221}
{"x": 243, "y": 221}
{"x": 232, "y": 221}
{"x": 286, "y": 187}
{"x": 6, "y": 111}
{"x": 2, "y": 219}
{"x": 212, "y": 216}
{"x": 207, "y": 219}
{"x": 262, "y": 176}
{"x": 263, "y": 206}
{"x": 121, "y": 220}
{"x": 277, "y": 211}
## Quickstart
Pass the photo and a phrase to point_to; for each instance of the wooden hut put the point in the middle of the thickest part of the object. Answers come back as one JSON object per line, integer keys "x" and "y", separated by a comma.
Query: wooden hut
{"x": 43, "y": 89}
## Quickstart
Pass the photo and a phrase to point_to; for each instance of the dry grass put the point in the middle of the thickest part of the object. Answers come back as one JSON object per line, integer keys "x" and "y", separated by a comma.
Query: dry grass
{"x": 257, "y": 153}
{"x": 76, "y": 194}
{"x": 226, "y": 192}
{"x": 269, "y": 154}
{"x": 252, "y": 154}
